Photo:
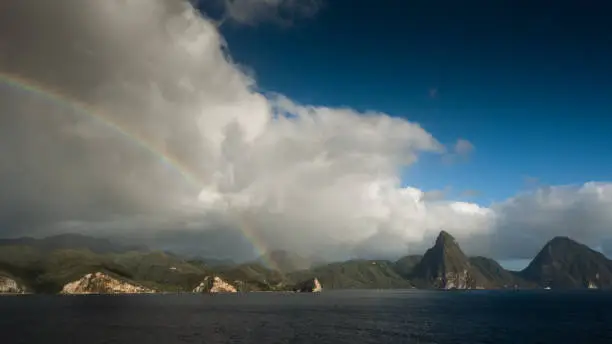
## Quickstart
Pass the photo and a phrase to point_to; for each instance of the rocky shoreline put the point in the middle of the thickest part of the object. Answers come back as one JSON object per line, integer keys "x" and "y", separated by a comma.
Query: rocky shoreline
{"x": 10, "y": 286}
{"x": 99, "y": 283}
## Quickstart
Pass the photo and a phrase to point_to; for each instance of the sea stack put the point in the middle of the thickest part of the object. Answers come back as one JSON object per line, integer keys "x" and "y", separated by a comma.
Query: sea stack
{"x": 100, "y": 283}
{"x": 214, "y": 284}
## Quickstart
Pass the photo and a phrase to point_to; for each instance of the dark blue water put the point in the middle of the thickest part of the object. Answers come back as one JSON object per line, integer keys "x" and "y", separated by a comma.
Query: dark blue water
{"x": 330, "y": 317}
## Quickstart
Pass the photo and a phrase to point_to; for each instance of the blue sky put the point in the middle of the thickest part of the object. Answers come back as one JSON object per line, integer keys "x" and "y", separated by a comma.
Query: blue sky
{"x": 529, "y": 86}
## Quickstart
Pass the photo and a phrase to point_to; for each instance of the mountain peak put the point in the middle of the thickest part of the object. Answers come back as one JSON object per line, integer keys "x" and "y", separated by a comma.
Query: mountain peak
{"x": 562, "y": 245}
{"x": 562, "y": 240}
{"x": 445, "y": 266}
{"x": 566, "y": 263}
{"x": 444, "y": 238}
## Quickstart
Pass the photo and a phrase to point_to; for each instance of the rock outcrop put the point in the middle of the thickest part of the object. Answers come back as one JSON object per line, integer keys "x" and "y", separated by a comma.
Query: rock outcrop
{"x": 309, "y": 286}
{"x": 445, "y": 266}
{"x": 214, "y": 284}
{"x": 10, "y": 286}
{"x": 100, "y": 283}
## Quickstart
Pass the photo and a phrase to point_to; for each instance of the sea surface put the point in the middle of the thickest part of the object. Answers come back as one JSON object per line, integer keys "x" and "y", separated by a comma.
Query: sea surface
{"x": 330, "y": 317}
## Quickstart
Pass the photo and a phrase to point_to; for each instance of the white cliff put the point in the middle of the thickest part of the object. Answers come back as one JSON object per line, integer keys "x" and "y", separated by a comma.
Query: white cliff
{"x": 214, "y": 285}
{"x": 10, "y": 286}
{"x": 99, "y": 283}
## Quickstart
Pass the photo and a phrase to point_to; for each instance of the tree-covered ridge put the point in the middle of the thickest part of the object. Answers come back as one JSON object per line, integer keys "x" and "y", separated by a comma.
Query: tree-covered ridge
{"x": 46, "y": 265}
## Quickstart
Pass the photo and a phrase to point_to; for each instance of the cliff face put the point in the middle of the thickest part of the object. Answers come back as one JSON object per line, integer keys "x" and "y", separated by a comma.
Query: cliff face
{"x": 10, "y": 286}
{"x": 214, "y": 285}
{"x": 445, "y": 266}
{"x": 99, "y": 283}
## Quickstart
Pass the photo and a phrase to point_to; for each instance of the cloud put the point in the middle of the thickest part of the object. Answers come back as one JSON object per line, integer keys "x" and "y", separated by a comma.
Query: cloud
{"x": 461, "y": 151}
{"x": 525, "y": 222}
{"x": 252, "y": 12}
{"x": 160, "y": 71}
{"x": 437, "y": 195}
{"x": 463, "y": 147}
{"x": 230, "y": 167}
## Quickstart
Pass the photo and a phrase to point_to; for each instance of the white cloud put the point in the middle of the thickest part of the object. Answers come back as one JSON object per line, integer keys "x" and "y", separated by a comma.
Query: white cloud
{"x": 322, "y": 180}
{"x": 525, "y": 222}
{"x": 159, "y": 69}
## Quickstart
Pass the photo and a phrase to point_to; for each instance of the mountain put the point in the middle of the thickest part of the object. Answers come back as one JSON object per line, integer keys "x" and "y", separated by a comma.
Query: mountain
{"x": 496, "y": 275}
{"x": 48, "y": 265}
{"x": 44, "y": 271}
{"x": 211, "y": 262}
{"x": 355, "y": 274}
{"x": 284, "y": 261}
{"x": 72, "y": 241}
{"x": 406, "y": 264}
{"x": 565, "y": 263}
{"x": 445, "y": 266}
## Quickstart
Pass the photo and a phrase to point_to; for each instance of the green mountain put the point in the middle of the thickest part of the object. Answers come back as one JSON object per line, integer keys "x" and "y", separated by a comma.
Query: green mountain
{"x": 46, "y": 265}
{"x": 445, "y": 266}
{"x": 47, "y": 272}
{"x": 497, "y": 276}
{"x": 355, "y": 274}
{"x": 565, "y": 263}
{"x": 406, "y": 264}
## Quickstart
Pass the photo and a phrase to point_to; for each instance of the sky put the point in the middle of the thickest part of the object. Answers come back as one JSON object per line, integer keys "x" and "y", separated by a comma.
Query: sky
{"x": 330, "y": 128}
{"x": 529, "y": 85}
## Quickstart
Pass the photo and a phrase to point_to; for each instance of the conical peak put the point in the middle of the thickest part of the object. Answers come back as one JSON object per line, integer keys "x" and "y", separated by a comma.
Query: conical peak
{"x": 558, "y": 240}
{"x": 561, "y": 243}
{"x": 444, "y": 238}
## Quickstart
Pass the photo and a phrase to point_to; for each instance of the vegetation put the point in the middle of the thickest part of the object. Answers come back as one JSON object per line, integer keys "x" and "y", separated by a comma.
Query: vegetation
{"x": 406, "y": 264}
{"x": 46, "y": 265}
{"x": 564, "y": 263}
{"x": 355, "y": 274}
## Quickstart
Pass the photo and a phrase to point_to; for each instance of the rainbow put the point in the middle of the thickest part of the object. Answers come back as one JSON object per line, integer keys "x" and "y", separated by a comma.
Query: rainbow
{"x": 257, "y": 244}
{"x": 64, "y": 100}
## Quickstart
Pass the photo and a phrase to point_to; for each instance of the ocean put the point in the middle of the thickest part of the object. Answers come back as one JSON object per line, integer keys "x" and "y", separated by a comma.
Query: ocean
{"x": 356, "y": 317}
